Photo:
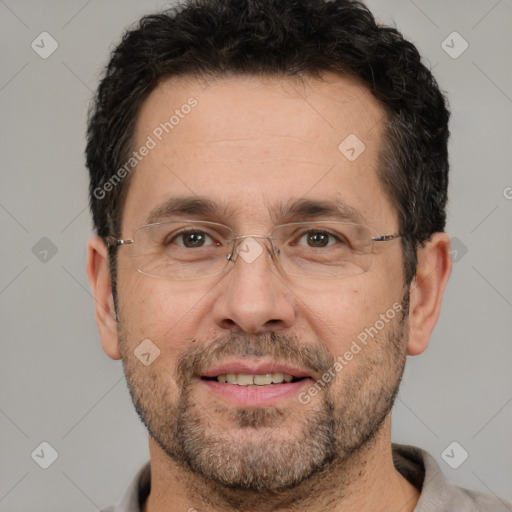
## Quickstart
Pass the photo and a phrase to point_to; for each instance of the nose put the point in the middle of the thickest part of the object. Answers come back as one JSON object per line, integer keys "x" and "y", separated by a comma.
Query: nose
{"x": 253, "y": 296}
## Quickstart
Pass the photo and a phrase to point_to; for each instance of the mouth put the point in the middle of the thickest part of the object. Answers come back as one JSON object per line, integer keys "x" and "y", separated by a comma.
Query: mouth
{"x": 254, "y": 381}
{"x": 255, "y": 385}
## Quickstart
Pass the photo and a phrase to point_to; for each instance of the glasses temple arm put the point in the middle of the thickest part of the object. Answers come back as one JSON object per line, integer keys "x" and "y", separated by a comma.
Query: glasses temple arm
{"x": 385, "y": 238}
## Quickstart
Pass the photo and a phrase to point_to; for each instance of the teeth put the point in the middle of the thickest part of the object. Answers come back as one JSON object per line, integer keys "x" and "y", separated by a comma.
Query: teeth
{"x": 261, "y": 380}
{"x": 244, "y": 379}
{"x": 277, "y": 378}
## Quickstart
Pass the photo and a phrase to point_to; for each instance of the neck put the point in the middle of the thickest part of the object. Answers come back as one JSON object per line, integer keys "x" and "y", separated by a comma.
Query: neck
{"x": 367, "y": 482}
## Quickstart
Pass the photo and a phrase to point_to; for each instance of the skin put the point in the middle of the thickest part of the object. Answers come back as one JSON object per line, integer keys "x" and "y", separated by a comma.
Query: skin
{"x": 252, "y": 143}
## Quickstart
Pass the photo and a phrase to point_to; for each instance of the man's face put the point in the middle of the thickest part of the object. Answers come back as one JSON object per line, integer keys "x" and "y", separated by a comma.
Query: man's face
{"x": 251, "y": 146}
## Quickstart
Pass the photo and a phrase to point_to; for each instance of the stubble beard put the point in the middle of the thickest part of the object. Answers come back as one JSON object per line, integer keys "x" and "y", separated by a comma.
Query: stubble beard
{"x": 270, "y": 450}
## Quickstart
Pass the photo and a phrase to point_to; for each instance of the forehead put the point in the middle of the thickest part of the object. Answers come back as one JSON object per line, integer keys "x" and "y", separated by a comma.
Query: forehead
{"x": 252, "y": 144}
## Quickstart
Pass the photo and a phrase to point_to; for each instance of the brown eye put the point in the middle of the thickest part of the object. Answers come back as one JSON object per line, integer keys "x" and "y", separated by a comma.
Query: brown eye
{"x": 192, "y": 239}
{"x": 317, "y": 239}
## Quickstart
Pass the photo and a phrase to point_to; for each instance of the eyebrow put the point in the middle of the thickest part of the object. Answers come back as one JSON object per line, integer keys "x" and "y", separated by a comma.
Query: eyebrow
{"x": 199, "y": 207}
{"x": 186, "y": 206}
{"x": 307, "y": 209}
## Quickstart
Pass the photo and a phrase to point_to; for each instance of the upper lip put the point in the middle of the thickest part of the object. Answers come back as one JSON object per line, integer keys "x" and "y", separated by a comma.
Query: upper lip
{"x": 256, "y": 368}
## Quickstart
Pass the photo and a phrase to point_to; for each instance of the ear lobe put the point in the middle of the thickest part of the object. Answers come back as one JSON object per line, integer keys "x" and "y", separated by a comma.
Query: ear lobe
{"x": 432, "y": 273}
{"x": 101, "y": 284}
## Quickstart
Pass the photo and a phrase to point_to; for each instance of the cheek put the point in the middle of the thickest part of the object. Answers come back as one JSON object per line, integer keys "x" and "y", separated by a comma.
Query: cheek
{"x": 333, "y": 311}
{"x": 342, "y": 310}
{"x": 160, "y": 310}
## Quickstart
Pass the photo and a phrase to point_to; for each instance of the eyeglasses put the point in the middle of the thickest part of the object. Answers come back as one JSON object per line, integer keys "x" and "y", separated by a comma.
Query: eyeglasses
{"x": 190, "y": 249}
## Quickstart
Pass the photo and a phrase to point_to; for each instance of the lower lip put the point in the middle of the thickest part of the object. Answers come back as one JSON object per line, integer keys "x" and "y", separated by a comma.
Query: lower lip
{"x": 257, "y": 396}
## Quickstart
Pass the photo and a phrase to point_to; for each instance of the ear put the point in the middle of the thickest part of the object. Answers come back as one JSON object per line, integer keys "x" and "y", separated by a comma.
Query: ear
{"x": 101, "y": 284}
{"x": 432, "y": 273}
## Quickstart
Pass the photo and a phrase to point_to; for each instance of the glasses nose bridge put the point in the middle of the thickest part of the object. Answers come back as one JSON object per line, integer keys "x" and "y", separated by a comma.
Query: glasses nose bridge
{"x": 238, "y": 240}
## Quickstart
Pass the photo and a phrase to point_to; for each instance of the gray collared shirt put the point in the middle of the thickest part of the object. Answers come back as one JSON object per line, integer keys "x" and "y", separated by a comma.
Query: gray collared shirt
{"x": 416, "y": 465}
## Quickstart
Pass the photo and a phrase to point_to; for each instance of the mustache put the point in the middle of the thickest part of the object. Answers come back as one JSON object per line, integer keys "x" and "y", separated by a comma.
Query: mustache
{"x": 287, "y": 349}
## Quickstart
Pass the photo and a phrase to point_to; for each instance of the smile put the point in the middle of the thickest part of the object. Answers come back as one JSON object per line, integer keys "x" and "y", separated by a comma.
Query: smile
{"x": 245, "y": 379}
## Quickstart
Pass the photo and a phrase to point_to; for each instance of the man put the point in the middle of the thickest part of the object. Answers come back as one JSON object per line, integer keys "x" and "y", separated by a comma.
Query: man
{"x": 268, "y": 187}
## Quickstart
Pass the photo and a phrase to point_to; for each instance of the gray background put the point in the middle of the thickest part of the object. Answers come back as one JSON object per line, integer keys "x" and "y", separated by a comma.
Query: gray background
{"x": 58, "y": 386}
